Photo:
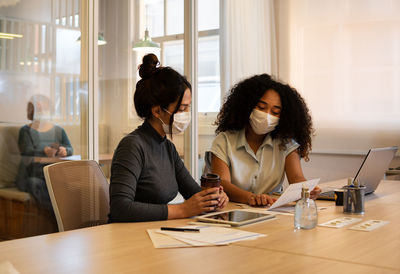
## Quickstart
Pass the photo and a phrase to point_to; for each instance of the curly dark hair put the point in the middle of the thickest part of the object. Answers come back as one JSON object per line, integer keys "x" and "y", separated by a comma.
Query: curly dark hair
{"x": 295, "y": 121}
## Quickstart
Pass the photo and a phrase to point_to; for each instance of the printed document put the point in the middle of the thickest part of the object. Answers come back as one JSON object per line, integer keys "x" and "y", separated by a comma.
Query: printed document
{"x": 293, "y": 193}
{"x": 207, "y": 236}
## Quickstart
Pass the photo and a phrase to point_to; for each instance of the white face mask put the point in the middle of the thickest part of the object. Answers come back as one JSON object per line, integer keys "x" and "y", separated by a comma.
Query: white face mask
{"x": 180, "y": 123}
{"x": 263, "y": 123}
{"x": 42, "y": 115}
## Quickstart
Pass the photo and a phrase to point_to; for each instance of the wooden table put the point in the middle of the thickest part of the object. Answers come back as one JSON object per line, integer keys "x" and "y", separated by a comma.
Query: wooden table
{"x": 126, "y": 247}
{"x": 103, "y": 159}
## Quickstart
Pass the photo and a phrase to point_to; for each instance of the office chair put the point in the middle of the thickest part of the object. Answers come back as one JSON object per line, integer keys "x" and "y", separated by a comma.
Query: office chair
{"x": 78, "y": 192}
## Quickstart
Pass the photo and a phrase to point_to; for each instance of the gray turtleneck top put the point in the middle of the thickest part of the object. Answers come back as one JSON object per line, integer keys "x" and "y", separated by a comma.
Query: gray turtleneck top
{"x": 146, "y": 174}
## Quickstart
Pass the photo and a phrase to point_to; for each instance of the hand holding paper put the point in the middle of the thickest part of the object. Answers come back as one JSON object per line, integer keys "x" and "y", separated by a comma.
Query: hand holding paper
{"x": 293, "y": 192}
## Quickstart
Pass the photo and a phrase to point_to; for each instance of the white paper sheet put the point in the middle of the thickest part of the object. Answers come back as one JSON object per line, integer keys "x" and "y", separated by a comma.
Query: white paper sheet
{"x": 214, "y": 235}
{"x": 288, "y": 209}
{"x": 293, "y": 192}
{"x": 165, "y": 241}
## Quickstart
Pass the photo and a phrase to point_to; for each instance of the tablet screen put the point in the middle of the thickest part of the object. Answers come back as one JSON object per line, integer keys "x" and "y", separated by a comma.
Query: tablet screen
{"x": 236, "y": 216}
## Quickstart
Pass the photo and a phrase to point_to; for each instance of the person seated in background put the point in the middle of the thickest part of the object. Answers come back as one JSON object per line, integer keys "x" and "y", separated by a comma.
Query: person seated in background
{"x": 40, "y": 138}
{"x": 146, "y": 170}
{"x": 263, "y": 128}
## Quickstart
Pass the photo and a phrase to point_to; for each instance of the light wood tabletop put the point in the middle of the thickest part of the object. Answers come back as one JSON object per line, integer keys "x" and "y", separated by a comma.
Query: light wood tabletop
{"x": 126, "y": 247}
{"x": 103, "y": 159}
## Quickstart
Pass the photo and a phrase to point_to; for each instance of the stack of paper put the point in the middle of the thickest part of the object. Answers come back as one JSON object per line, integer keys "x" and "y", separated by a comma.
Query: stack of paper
{"x": 208, "y": 236}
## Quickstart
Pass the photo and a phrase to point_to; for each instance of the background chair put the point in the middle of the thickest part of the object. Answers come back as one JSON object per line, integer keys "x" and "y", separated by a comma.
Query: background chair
{"x": 79, "y": 194}
{"x": 20, "y": 215}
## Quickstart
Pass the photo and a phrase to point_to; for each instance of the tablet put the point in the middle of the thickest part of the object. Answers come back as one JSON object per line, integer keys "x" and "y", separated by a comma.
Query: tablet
{"x": 235, "y": 217}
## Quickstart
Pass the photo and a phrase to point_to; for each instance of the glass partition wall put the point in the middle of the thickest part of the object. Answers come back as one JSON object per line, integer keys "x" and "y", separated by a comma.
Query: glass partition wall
{"x": 73, "y": 62}
{"x": 44, "y": 99}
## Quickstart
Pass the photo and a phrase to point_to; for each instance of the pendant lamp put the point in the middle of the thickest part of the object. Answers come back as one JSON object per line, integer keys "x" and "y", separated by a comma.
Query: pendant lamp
{"x": 146, "y": 44}
{"x": 100, "y": 40}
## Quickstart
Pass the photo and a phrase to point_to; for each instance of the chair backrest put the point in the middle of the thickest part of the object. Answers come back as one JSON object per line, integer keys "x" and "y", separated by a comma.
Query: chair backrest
{"x": 10, "y": 156}
{"x": 78, "y": 192}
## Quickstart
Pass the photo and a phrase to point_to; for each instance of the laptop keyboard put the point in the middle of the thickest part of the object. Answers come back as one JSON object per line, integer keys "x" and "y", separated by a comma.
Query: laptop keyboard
{"x": 328, "y": 195}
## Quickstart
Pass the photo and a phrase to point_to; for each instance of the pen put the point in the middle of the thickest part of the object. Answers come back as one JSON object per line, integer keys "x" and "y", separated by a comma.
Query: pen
{"x": 180, "y": 229}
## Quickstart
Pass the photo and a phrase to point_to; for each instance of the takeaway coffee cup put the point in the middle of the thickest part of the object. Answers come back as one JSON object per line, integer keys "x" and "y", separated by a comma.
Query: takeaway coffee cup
{"x": 339, "y": 196}
{"x": 210, "y": 180}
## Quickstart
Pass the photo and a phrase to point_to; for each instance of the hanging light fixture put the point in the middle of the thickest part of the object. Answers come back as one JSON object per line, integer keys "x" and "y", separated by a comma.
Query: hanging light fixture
{"x": 100, "y": 39}
{"x": 146, "y": 44}
{"x": 10, "y": 36}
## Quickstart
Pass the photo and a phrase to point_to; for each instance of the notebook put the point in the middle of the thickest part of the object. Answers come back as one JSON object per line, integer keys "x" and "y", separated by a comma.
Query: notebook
{"x": 370, "y": 173}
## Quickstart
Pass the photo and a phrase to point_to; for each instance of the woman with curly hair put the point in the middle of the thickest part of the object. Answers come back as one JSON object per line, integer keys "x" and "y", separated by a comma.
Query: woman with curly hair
{"x": 264, "y": 128}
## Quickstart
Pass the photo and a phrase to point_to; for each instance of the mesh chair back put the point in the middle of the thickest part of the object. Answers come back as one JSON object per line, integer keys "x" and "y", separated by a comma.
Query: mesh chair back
{"x": 78, "y": 192}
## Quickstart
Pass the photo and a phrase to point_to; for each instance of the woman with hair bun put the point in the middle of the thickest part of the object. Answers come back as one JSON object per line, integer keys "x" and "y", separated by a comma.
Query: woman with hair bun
{"x": 264, "y": 127}
{"x": 146, "y": 170}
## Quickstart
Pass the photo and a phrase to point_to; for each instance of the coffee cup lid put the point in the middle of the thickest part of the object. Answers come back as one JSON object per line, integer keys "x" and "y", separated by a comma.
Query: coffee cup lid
{"x": 210, "y": 176}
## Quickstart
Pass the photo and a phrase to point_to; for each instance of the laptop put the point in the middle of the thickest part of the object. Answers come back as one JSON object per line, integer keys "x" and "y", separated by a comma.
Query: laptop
{"x": 370, "y": 173}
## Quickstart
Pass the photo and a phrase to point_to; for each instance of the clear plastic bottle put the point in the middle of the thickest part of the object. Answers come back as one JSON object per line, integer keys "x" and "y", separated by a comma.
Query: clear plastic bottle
{"x": 305, "y": 214}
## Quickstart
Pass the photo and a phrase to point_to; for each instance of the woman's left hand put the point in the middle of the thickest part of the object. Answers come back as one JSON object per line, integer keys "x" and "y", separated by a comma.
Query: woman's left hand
{"x": 315, "y": 192}
{"x": 223, "y": 198}
{"x": 62, "y": 152}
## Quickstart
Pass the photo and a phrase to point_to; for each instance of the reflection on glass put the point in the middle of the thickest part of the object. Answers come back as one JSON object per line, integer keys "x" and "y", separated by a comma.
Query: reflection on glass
{"x": 39, "y": 141}
{"x": 44, "y": 69}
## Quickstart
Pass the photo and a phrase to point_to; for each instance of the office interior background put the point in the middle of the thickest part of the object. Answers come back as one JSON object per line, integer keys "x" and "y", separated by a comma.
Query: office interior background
{"x": 343, "y": 56}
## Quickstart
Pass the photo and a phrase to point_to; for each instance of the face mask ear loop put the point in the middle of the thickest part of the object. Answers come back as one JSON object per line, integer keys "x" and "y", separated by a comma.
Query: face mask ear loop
{"x": 162, "y": 122}
{"x": 171, "y": 120}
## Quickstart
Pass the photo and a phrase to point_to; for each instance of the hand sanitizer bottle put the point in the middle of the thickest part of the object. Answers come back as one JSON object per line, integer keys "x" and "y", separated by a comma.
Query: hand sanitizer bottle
{"x": 305, "y": 214}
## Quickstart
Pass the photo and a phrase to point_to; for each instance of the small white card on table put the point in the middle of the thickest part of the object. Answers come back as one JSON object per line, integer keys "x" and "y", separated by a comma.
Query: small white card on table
{"x": 340, "y": 222}
{"x": 369, "y": 225}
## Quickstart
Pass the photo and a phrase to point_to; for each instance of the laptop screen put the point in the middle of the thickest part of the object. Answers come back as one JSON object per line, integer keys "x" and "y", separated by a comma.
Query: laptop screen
{"x": 374, "y": 166}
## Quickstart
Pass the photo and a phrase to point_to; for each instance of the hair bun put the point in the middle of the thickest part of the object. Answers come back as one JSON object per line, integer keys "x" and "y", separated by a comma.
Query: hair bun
{"x": 149, "y": 66}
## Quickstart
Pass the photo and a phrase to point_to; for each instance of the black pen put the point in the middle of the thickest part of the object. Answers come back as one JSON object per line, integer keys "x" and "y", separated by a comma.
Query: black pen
{"x": 180, "y": 229}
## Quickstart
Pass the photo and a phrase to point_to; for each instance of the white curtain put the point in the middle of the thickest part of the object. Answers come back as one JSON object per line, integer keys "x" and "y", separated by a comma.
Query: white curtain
{"x": 344, "y": 57}
{"x": 248, "y": 43}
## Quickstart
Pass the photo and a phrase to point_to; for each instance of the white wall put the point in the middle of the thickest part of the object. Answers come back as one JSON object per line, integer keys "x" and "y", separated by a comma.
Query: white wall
{"x": 331, "y": 167}
{"x": 337, "y": 147}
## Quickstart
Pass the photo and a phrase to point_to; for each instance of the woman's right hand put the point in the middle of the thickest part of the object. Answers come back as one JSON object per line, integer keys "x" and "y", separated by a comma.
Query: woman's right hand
{"x": 49, "y": 151}
{"x": 260, "y": 200}
{"x": 203, "y": 201}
